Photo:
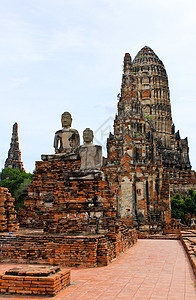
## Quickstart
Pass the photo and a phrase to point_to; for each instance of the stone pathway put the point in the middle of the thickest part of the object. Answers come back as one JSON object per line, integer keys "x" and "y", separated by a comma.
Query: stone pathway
{"x": 151, "y": 269}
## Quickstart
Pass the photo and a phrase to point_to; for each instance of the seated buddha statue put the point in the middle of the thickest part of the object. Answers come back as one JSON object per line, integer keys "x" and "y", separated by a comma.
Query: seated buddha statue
{"x": 66, "y": 140}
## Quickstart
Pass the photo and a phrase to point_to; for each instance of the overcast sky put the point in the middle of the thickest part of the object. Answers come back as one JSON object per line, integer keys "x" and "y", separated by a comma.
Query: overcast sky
{"x": 67, "y": 55}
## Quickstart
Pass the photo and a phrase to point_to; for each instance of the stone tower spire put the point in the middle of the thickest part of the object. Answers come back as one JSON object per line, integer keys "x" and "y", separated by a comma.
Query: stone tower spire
{"x": 14, "y": 154}
{"x": 153, "y": 91}
{"x": 145, "y": 102}
{"x": 145, "y": 94}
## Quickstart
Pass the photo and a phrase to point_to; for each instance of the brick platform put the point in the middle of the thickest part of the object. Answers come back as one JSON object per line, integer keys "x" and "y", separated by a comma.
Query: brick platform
{"x": 61, "y": 202}
{"x": 35, "y": 246}
{"x": 77, "y": 215}
{"x": 36, "y": 280}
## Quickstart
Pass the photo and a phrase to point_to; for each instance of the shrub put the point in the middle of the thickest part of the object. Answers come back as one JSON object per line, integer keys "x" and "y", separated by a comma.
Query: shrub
{"x": 17, "y": 183}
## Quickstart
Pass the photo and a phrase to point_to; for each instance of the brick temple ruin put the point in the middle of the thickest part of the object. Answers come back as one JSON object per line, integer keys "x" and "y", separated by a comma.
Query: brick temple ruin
{"x": 69, "y": 210}
{"x": 147, "y": 160}
{"x": 83, "y": 209}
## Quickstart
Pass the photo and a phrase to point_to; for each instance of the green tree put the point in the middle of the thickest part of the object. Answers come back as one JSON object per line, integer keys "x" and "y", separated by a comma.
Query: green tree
{"x": 17, "y": 183}
{"x": 184, "y": 207}
{"x": 190, "y": 203}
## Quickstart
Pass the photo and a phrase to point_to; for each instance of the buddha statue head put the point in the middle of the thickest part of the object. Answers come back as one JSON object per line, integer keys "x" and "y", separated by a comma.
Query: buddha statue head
{"x": 88, "y": 136}
{"x": 66, "y": 120}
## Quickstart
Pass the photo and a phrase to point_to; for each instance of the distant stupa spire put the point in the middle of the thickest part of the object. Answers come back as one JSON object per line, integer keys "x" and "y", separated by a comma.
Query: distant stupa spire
{"x": 14, "y": 154}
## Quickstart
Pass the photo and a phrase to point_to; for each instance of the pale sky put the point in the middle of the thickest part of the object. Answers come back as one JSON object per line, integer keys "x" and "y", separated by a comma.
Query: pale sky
{"x": 67, "y": 55}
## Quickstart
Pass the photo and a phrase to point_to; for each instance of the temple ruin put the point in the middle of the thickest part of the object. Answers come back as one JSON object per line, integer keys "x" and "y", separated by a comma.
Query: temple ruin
{"x": 147, "y": 160}
{"x": 83, "y": 209}
{"x": 14, "y": 154}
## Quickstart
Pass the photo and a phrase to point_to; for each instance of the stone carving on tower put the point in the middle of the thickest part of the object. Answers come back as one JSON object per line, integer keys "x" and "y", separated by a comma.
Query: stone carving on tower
{"x": 14, "y": 154}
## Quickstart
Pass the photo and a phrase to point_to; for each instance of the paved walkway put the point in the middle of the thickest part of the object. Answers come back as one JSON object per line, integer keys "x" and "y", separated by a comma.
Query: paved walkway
{"x": 151, "y": 269}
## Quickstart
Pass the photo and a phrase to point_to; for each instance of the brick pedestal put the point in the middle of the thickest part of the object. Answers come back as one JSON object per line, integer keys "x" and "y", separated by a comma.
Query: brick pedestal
{"x": 34, "y": 280}
{"x": 61, "y": 199}
{"x": 76, "y": 212}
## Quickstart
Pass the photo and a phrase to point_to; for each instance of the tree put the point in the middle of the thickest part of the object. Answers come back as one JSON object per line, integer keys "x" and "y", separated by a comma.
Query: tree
{"x": 17, "y": 183}
{"x": 184, "y": 207}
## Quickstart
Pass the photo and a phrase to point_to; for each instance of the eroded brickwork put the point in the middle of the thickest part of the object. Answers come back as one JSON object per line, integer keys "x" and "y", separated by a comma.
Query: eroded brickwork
{"x": 8, "y": 218}
{"x": 61, "y": 249}
{"x": 77, "y": 214}
{"x": 60, "y": 202}
{"x": 182, "y": 181}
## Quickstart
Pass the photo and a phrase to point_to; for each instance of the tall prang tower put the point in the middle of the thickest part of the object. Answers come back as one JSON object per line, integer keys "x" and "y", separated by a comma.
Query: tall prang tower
{"x": 147, "y": 160}
{"x": 14, "y": 154}
{"x": 153, "y": 92}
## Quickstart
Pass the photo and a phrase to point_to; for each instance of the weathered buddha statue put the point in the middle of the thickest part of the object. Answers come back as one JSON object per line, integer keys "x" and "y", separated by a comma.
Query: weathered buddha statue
{"x": 66, "y": 140}
{"x": 90, "y": 154}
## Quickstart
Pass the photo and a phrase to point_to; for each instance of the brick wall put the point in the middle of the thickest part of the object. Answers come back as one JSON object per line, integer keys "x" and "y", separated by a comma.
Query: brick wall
{"x": 90, "y": 251}
{"x": 182, "y": 181}
{"x": 8, "y": 219}
{"x": 60, "y": 204}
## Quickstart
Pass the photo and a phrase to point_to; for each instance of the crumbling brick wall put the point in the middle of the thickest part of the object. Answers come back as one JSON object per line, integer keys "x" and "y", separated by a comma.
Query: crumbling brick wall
{"x": 61, "y": 249}
{"x": 60, "y": 203}
{"x": 8, "y": 218}
{"x": 182, "y": 181}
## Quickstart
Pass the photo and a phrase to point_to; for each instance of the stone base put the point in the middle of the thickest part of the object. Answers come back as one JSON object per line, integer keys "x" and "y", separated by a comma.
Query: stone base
{"x": 34, "y": 280}
{"x": 37, "y": 247}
